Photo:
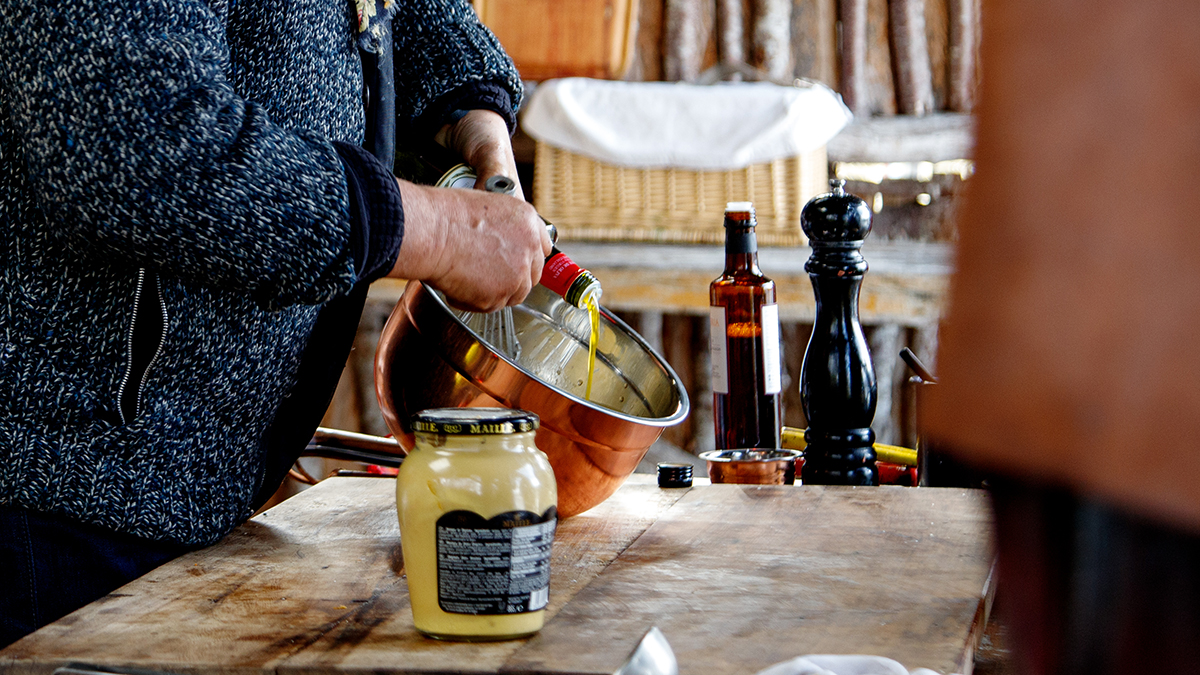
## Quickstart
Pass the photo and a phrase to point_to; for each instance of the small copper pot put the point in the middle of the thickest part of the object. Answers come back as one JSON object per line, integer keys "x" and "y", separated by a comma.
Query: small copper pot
{"x": 430, "y": 356}
{"x": 754, "y": 465}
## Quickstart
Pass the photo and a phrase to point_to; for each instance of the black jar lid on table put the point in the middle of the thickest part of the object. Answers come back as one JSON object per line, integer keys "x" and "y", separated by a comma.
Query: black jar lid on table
{"x": 672, "y": 475}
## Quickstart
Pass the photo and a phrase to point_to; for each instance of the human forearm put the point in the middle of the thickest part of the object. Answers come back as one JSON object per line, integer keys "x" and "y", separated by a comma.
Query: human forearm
{"x": 481, "y": 139}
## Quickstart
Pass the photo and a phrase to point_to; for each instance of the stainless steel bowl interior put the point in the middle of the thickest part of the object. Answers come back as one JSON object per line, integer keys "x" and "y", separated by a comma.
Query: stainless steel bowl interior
{"x": 431, "y": 356}
{"x": 750, "y": 455}
{"x": 629, "y": 378}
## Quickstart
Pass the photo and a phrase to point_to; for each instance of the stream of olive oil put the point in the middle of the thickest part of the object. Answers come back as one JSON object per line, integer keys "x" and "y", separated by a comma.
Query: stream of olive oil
{"x": 593, "y": 316}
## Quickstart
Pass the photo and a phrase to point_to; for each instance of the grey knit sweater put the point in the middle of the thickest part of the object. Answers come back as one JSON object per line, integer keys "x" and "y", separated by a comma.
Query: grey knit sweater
{"x": 184, "y": 151}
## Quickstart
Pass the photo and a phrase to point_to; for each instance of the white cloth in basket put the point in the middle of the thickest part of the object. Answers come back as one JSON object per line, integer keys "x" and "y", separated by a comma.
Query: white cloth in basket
{"x": 717, "y": 127}
{"x": 842, "y": 664}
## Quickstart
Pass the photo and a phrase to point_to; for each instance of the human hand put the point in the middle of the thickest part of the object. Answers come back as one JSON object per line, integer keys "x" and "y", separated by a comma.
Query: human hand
{"x": 481, "y": 138}
{"x": 483, "y": 250}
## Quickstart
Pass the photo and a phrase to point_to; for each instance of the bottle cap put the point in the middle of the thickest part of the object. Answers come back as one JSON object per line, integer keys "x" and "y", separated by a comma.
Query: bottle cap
{"x": 740, "y": 215}
{"x": 473, "y": 421}
{"x": 671, "y": 475}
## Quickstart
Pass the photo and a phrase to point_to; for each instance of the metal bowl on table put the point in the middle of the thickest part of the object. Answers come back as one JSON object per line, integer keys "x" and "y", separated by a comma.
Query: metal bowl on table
{"x": 433, "y": 356}
{"x": 761, "y": 466}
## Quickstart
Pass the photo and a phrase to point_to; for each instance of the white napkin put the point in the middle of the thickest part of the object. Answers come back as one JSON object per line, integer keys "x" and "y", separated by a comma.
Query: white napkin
{"x": 842, "y": 664}
{"x": 716, "y": 127}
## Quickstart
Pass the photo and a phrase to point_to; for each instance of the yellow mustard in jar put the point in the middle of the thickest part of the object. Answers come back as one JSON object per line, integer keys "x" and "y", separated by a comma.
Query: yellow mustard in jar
{"x": 477, "y": 506}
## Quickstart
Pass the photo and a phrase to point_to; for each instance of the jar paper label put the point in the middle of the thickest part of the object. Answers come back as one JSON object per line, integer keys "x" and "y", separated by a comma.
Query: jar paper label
{"x": 772, "y": 374}
{"x": 498, "y": 565}
{"x": 717, "y": 350}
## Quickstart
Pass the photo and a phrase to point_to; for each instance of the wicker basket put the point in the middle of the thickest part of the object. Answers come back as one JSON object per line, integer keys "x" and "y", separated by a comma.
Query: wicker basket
{"x": 593, "y": 201}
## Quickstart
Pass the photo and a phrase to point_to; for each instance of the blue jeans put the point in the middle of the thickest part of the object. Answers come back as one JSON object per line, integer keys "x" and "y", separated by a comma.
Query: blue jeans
{"x": 51, "y": 566}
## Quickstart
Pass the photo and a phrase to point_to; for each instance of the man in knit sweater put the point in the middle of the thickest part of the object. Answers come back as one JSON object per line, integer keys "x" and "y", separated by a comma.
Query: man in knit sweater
{"x": 190, "y": 224}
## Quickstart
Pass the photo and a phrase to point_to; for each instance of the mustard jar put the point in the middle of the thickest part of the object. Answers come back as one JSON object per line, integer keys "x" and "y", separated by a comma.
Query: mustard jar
{"x": 476, "y": 501}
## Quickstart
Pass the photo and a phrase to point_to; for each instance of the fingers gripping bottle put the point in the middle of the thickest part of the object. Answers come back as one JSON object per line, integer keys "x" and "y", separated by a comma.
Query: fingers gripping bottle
{"x": 559, "y": 274}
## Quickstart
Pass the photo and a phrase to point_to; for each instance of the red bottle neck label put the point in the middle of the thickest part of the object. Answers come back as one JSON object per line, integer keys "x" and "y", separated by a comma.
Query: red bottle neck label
{"x": 558, "y": 273}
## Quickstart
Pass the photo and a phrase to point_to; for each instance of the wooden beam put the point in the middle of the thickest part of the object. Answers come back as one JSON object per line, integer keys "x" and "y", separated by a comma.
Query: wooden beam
{"x": 881, "y": 88}
{"x": 932, "y": 138}
{"x": 772, "y": 38}
{"x": 853, "y": 17}
{"x": 964, "y": 54}
{"x": 647, "y": 63}
{"x": 910, "y": 57}
{"x": 731, "y": 31}
{"x": 906, "y": 284}
{"x": 936, "y": 27}
{"x": 814, "y": 40}
{"x": 689, "y": 25}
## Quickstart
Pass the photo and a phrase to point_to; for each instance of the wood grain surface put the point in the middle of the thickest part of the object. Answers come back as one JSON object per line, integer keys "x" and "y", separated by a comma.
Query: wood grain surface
{"x": 313, "y": 583}
{"x": 814, "y": 40}
{"x": 963, "y": 38}
{"x": 913, "y": 72}
{"x": 853, "y": 56}
{"x": 933, "y": 138}
{"x": 738, "y": 577}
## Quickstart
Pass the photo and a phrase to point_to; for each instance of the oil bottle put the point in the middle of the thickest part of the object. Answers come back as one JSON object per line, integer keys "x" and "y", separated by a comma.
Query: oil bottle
{"x": 744, "y": 341}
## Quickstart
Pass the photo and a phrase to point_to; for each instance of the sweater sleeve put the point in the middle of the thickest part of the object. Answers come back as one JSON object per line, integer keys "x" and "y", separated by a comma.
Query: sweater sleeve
{"x": 445, "y": 59}
{"x": 376, "y": 212}
{"x": 139, "y": 150}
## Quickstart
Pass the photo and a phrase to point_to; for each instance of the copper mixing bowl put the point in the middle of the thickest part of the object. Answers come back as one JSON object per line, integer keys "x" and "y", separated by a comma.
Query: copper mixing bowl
{"x": 432, "y": 356}
{"x": 762, "y": 466}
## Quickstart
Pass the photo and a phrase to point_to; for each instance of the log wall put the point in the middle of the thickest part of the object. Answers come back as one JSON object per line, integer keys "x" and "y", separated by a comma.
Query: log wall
{"x": 907, "y": 68}
{"x": 885, "y": 57}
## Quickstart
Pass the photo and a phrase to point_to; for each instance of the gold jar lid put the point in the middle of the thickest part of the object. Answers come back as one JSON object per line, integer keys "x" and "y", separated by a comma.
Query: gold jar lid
{"x": 473, "y": 421}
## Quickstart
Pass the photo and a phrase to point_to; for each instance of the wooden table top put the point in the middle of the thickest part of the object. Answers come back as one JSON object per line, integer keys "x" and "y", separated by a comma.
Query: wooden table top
{"x": 737, "y": 578}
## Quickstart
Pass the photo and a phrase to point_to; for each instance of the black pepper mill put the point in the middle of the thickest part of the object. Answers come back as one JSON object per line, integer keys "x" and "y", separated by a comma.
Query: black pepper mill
{"x": 837, "y": 381}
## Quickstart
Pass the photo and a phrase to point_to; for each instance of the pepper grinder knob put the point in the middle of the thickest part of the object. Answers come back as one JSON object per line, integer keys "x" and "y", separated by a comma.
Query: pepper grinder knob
{"x": 836, "y": 217}
{"x": 837, "y": 381}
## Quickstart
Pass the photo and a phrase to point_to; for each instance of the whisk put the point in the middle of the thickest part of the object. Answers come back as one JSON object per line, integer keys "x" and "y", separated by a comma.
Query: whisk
{"x": 498, "y": 329}
{"x": 500, "y": 332}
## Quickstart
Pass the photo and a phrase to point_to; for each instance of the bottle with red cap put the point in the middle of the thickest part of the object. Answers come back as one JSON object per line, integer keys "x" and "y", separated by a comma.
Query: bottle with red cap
{"x": 563, "y": 276}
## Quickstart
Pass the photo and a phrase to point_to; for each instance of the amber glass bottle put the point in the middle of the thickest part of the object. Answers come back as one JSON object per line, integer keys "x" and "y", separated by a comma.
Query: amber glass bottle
{"x": 744, "y": 330}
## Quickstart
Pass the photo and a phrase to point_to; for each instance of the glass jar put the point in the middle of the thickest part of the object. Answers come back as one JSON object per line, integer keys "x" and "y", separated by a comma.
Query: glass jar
{"x": 477, "y": 506}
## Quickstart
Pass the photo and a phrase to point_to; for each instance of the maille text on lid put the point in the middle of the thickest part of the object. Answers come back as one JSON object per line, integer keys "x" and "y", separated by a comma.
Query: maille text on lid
{"x": 474, "y": 421}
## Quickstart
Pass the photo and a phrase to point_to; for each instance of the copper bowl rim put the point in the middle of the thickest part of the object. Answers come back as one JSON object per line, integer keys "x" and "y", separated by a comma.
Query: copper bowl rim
{"x": 681, "y": 410}
{"x": 757, "y": 456}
